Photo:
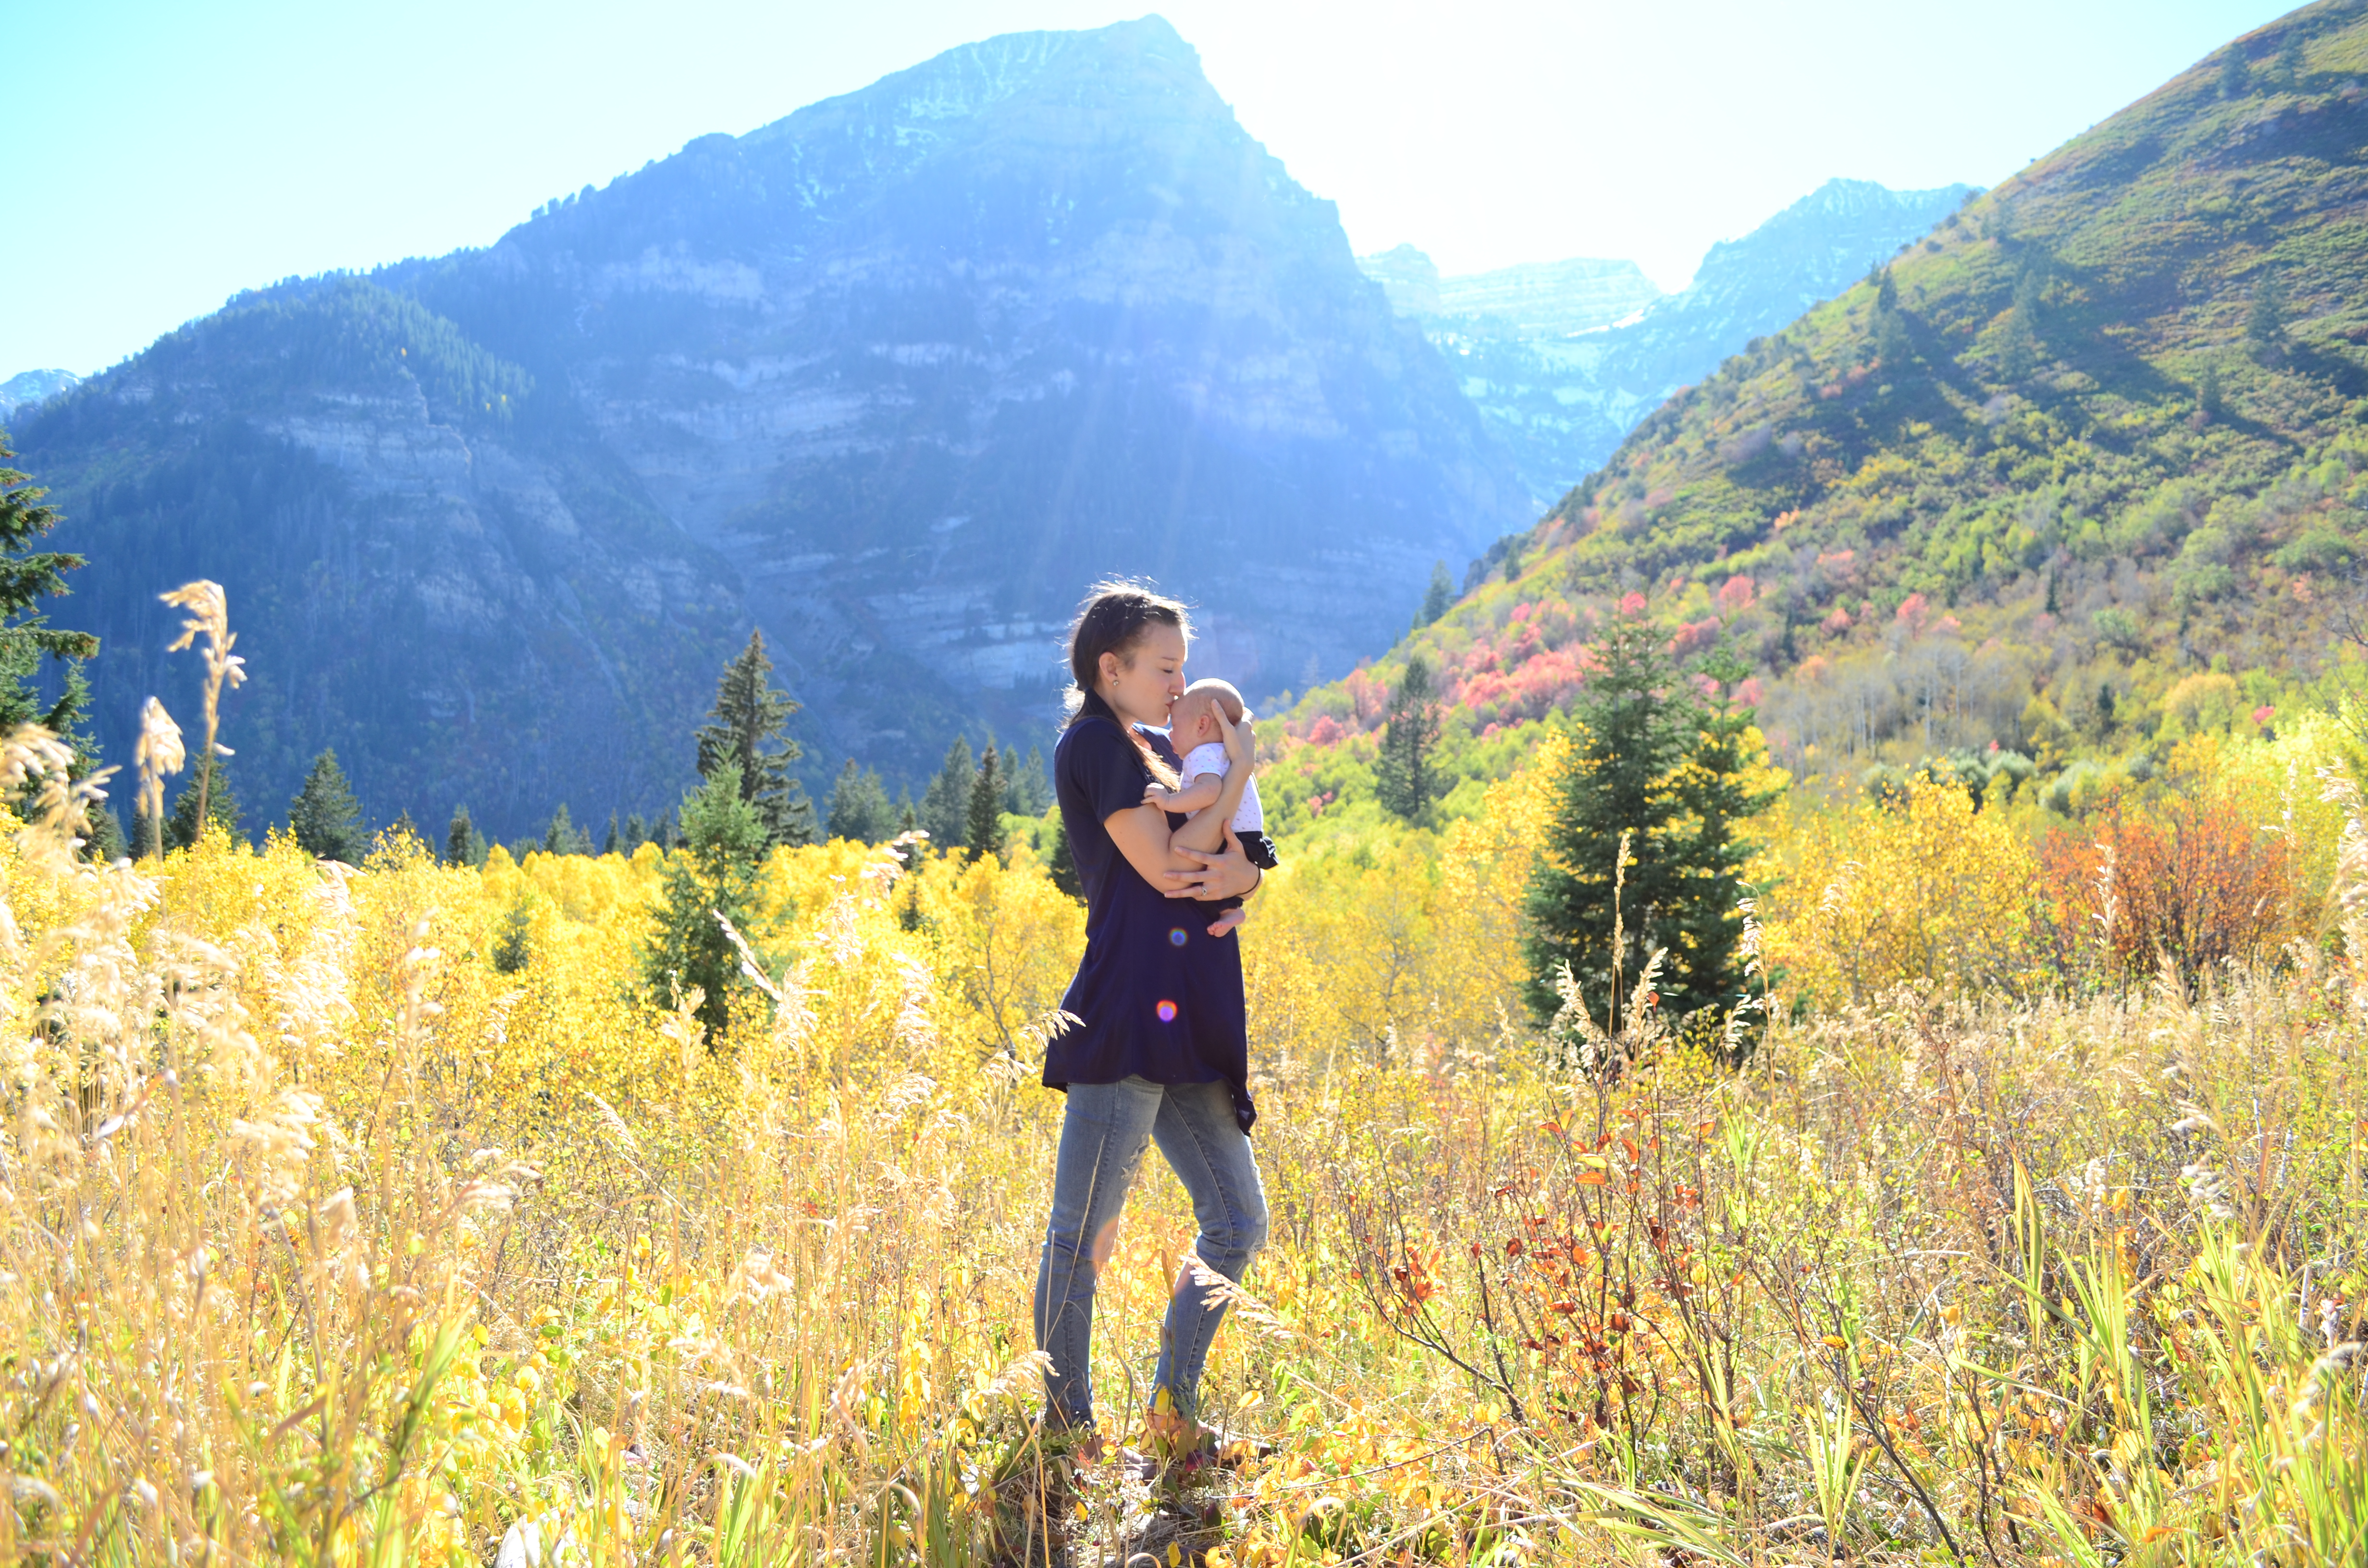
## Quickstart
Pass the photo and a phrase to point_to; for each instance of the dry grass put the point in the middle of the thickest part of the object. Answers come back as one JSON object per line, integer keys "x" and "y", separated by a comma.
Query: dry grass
{"x": 325, "y": 1239}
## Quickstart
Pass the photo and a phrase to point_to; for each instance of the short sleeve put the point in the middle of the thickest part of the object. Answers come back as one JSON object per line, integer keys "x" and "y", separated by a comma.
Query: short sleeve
{"x": 1106, "y": 771}
{"x": 1202, "y": 760}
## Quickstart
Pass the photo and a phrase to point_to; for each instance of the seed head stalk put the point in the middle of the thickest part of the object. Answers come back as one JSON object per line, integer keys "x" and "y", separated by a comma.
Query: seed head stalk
{"x": 208, "y": 616}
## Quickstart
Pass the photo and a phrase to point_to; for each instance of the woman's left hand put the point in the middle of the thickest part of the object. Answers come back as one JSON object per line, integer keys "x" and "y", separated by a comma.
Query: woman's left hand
{"x": 1241, "y": 740}
{"x": 1222, "y": 875}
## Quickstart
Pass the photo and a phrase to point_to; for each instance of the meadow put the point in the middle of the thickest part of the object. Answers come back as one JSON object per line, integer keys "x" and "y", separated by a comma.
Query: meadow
{"x": 359, "y": 1215}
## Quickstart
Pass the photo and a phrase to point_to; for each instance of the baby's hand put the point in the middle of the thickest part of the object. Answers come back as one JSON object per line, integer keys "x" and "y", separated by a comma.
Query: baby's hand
{"x": 1157, "y": 795}
{"x": 1228, "y": 923}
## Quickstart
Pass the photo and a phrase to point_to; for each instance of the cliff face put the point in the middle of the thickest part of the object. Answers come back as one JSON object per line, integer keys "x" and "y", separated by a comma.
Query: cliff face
{"x": 893, "y": 378}
{"x": 1563, "y": 359}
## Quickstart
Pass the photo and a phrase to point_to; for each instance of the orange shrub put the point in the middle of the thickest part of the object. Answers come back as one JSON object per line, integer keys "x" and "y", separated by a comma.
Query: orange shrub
{"x": 2188, "y": 878}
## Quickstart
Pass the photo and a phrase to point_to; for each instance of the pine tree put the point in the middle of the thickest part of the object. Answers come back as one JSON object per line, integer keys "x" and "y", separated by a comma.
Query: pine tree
{"x": 637, "y": 832}
{"x": 209, "y": 778}
{"x": 563, "y": 836}
{"x": 716, "y": 871}
{"x": 325, "y": 818}
{"x": 1028, "y": 788}
{"x": 1439, "y": 598}
{"x": 1717, "y": 793}
{"x": 514, "y": 938}
{"x": 463, "y": 845}
{"x": 1403, "y": 778}
{"x": 1652, "y": 760}
{"x": 615, "y": 841}
{"x": 944, "y": 811}
{"x": 26, "y": 577}
{"x": 2265, "y": 322}
{"x": 750, "y": 730}
{"x": 861, "y": 811}
{"x": 1627, "y": 738}
{"x": 983, "y": 829}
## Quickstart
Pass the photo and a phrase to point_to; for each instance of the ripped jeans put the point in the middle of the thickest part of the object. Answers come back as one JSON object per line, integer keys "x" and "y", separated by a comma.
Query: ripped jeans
{"x": 1103, "y": 1133}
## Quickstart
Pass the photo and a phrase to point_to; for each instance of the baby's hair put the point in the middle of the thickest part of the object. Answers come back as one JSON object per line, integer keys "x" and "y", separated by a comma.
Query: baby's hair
{"x": 1224, "y": 693}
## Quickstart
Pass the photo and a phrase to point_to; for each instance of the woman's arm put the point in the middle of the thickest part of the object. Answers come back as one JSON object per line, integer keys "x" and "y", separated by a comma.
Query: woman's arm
{"x": 1206, "y": 832}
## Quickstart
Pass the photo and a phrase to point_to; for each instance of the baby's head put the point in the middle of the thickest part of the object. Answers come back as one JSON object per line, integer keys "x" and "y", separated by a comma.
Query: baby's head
{"x": 1194, "y": 721}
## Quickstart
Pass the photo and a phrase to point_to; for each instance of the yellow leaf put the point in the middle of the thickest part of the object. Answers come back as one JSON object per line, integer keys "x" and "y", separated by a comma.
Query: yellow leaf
{"x": 1838, "y": 1342}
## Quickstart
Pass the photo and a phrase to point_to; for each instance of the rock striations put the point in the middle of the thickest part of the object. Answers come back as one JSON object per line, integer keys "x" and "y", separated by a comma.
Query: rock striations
{"x": 893, "y": 378}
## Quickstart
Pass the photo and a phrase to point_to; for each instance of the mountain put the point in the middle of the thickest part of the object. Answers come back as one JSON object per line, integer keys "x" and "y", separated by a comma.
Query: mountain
{"x": 2083, "y": 474}
{"x": 27, "y": 388}
{"x": 1561, "y": 364}
{"x": 893, "y": 379}
{"x": 1551, "y": 298}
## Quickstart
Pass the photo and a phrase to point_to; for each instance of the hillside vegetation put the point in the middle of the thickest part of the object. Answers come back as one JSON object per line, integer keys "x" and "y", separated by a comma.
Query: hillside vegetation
{"x": 2078, "y": 474}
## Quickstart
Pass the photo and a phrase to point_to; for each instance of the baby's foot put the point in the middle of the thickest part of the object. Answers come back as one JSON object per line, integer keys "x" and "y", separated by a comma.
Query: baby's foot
{"x": 1228, "y": 923}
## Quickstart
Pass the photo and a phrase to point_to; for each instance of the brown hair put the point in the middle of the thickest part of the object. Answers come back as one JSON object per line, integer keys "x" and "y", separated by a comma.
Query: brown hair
{"x": 1112, "y": 620}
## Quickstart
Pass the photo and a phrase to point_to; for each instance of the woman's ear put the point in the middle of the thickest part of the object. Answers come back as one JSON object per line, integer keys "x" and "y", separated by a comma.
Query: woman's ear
{"x": 1110, "y": 666}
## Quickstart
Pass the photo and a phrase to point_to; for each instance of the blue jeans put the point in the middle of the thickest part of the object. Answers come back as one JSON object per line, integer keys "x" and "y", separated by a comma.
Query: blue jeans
{"x": 1103, "y": 1133}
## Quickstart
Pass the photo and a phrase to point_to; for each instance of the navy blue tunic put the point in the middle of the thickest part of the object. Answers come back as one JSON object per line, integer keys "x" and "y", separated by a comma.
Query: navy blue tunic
{"x": 1160, "y": 997}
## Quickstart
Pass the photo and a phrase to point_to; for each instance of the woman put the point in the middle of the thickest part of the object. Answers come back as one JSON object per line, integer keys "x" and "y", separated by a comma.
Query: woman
{"x": 1161, "y": 1048}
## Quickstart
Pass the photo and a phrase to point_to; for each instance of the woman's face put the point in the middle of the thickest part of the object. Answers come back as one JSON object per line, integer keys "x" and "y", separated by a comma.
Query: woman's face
{"x": 1147, "y": 678}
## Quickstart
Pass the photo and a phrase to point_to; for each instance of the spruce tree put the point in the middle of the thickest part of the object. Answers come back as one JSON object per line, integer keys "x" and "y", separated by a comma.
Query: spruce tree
{"x": 1060, "y": 864}
{"x": 1027, "y": 789}
{"x": 463, "y": 845}
{"x": 750, "y": 730}
{"x": 26, "y": 577}
{"x": 1717, "y": 795}
{"x": 1403, "y": 777}
{"x": 561, "y": 836}
{"x": 324, "y": 817}
{"x": 615, "y": 841}
{"x": 944, "y": 811}
{"x": 1628, "y": 733}
{"x": 861, "y": 811}
{"x": 2265, "y": 322}
{"x": 637, "y": 832}
{"x": 209, "y": 778}
{"x": 1652, "y": 759}
{"x": 716, "y": 871}
{"x": 1439, "y": 598}
{"x": 983, "y": 826}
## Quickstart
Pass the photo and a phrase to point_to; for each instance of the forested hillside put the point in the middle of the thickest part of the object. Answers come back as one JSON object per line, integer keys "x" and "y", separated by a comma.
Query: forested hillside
{"x": 2079, "y": 475}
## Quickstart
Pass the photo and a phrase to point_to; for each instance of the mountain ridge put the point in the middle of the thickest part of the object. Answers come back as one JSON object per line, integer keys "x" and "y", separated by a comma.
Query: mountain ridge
{"x": 892, "y": 377}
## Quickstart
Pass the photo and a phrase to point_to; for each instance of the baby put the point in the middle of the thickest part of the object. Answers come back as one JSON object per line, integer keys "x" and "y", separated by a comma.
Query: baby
{"x": 1192, "y": 731}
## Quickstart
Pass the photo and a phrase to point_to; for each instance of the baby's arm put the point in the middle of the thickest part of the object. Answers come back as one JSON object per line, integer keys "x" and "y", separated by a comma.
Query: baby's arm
{"x": 1201, "y": 792}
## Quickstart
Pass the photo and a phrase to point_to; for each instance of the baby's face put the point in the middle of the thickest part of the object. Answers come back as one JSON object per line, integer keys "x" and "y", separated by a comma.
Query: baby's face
{"x": 1192, "y": 720}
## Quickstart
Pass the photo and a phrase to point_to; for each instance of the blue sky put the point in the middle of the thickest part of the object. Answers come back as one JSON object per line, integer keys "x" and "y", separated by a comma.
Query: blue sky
{"x": 166, "y": 155}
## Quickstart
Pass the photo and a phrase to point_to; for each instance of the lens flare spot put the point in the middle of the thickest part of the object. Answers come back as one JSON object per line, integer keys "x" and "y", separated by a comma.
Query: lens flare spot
{"x": 1176, "y": 939}
{"x": 1167, "y": 1011}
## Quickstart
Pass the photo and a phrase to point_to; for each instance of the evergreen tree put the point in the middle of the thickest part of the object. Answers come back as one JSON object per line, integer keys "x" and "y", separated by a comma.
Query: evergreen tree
{"x": 563, "y": 836}
{"x": 2235, "y": 74}
{"x": 2207, "y": 392}
{"x": 2290, "y": 60}
{"x": 402, "y": 827}
{"x": 615, "y": 841}
{"x": 637, "y": 832}
{"x": 1439, "y": 598}
{"x": 1652, "y": 759}
{"x": 861, "y": 811}
{"x": 715, "y": 872}
{"x": 1060, "y": 864}
{"x": 463, "y": 845}
{"x": 325, "y": 818}
{"x": 983, "y": 826}
{"x": 1403, "y": 777}
{"x": 750, "y": 730}
{"x": 514, "y": 938}
{"x": 26, "y": 577}
{"x": 107, "y": 841}
{"x": 944, "y": 811}
{"x": 211, "y": 779}
{"x": 1717, "y": 796}
{"x": 1028, "y": 788}
{"x": 1627, "y": 738}
{"x": 2265, "y": 322}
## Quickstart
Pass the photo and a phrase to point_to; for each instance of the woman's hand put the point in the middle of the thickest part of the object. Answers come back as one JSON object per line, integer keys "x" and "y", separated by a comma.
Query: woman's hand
{"x": 1223, "y": 875}
{"x": 1241, "y": 740}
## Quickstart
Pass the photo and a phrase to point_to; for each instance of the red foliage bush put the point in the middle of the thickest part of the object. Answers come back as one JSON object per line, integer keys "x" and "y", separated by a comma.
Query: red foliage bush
{"x": 2188, "y": 878}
